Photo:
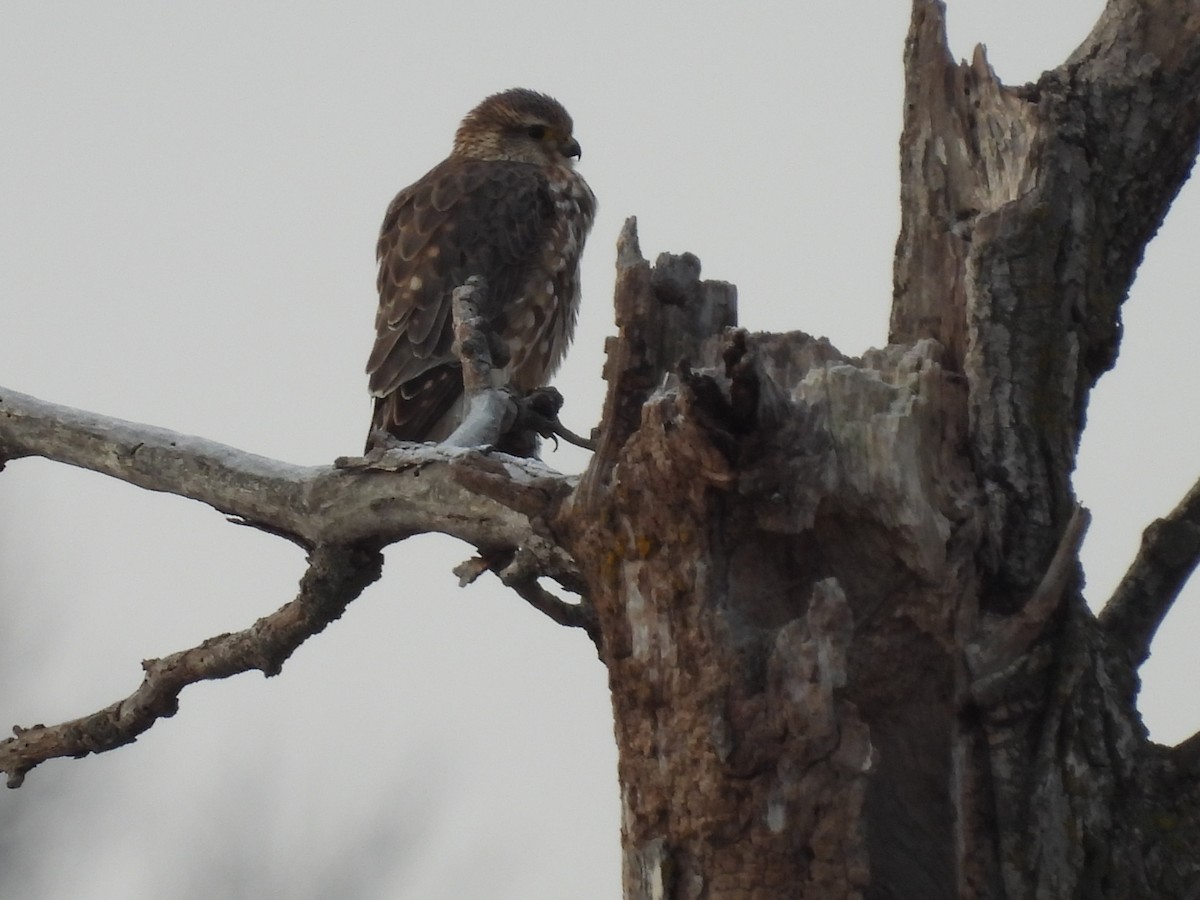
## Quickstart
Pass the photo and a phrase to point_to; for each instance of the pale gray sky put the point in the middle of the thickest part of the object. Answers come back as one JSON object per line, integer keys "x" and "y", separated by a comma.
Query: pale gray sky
{"x": 189, "y": 198}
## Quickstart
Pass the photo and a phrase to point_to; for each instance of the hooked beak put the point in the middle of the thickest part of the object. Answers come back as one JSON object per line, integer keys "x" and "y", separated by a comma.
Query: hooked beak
{"x": 571, "y": 148}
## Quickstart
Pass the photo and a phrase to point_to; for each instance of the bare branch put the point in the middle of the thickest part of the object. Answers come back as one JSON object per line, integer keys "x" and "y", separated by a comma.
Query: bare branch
{"x": 521, "y": 570}
{"x": 571, "y": 615}
{"x": 379, "y": 499}
{"x": 336, "y": 575}
{"x": 1168, "y": 556}
{"x": 521, "y": 574}
{"x": 345, "y": 514}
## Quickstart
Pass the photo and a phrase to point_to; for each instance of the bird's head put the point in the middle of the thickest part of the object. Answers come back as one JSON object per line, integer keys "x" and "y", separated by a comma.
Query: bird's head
{"x": 518, "y": 125}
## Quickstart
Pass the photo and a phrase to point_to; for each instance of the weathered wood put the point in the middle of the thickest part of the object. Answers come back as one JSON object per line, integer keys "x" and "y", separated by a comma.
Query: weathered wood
{"x": 749, "y": 562}
{"x": 920, "y": 496}
{"x": 381, "y": 498}
{"x": 1026, "y": 211}
{"x": 838, "y": 597}
{"x": 342, "y": 514}
{"x": 336, "y": 575}
{"x": 1168, "y": 556}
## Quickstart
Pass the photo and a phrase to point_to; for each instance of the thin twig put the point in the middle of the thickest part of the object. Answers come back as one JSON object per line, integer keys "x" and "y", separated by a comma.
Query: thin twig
{"x": 573, "y": 615}
{"x": 521, "y": 574}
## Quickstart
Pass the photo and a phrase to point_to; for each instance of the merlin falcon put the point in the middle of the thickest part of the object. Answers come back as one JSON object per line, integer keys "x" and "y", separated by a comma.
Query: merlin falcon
{"x": 506, "y": 205}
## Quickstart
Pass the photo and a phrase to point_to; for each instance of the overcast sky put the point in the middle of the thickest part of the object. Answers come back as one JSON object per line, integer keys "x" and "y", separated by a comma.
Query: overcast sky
{"x": 189, "y": 200}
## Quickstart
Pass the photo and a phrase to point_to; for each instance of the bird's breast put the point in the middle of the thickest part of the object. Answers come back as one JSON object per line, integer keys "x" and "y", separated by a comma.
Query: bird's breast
{"x": 541, "y": 320}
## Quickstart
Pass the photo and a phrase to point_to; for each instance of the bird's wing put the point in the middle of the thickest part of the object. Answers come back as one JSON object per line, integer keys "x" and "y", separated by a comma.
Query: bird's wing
{"x": 464, "y": 218}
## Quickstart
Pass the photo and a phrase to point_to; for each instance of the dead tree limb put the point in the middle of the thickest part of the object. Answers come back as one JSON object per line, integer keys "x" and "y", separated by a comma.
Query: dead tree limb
{"x": 838, "y": 597}
{"x": 336, "y": 575}
{"x": 406, "y": 490}
{"x": 343, "y": 514}
{"x": 1168, "y": 556}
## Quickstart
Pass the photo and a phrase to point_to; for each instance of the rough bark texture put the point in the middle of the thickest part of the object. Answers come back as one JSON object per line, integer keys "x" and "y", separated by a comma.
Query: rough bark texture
{"x": 756, "y": 555}
{"x": 342, "y": 514}
{"x": 335, "y": 577}
{"x": 838, "y": 598}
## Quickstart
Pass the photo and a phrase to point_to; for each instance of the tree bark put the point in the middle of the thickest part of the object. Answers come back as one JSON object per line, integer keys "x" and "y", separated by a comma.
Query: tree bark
{"x": 838, "y": 597}
{"x": 776, "y": 556}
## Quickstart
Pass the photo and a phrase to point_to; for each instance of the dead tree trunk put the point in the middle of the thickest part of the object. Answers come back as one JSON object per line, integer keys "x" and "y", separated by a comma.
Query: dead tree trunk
{"x": 839, "y": 598}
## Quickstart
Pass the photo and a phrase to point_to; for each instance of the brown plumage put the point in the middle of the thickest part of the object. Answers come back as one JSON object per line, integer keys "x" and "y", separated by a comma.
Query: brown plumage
{"x": 508, "y": 205}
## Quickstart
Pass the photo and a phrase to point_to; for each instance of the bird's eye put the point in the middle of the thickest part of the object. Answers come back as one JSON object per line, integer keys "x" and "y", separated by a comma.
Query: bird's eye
{"x": 537, "y": 132}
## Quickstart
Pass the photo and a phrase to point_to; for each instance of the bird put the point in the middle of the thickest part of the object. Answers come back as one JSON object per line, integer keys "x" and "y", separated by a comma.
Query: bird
{"x": 508, "y": 205}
